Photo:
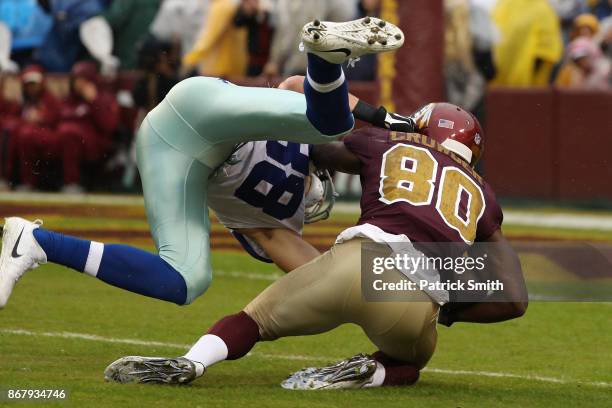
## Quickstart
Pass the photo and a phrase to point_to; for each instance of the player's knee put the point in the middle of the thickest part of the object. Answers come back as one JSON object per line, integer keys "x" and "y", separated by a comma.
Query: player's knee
{"x": 194, "y": 96}
{"x": 199, "y": 86}
{"x": 197, "y": 284}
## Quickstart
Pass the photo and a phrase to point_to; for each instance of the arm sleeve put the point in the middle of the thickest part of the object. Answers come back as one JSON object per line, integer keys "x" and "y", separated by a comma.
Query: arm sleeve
{"x": 358, "y": 142}
{"x": 368, "y": 113}
{"x": 220, "y": 17}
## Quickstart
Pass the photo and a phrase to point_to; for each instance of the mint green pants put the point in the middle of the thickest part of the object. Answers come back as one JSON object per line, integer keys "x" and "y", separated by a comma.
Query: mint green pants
{"x": 189, "y": 134}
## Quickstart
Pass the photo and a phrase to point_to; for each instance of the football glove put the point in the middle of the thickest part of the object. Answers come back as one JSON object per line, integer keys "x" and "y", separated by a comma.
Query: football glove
{"x": 379, "y": 117}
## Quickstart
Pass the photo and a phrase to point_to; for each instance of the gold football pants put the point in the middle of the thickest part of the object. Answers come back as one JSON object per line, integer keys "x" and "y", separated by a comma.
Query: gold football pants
{"x": 326, "y": 293}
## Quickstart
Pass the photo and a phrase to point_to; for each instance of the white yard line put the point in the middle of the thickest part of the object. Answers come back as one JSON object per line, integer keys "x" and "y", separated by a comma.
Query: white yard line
{"x": 145, "y": 343}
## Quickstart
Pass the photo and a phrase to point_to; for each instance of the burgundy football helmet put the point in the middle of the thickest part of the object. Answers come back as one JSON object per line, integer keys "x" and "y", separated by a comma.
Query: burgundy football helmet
{"x": 454, "y": 128}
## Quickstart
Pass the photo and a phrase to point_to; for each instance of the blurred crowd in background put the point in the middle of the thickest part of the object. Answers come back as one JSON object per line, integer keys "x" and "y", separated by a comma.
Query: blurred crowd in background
{"x": 85, "y": 72}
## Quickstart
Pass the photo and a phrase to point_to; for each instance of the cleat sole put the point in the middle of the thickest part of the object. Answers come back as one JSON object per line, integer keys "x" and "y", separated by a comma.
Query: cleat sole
{"x": 150, "y": 370}
{"x": 339, "y": 42}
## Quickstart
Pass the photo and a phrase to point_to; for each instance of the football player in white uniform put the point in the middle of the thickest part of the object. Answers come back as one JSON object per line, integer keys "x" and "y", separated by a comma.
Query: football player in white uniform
{"x": 263, "y": 194}
{"x": 181, "y": 145}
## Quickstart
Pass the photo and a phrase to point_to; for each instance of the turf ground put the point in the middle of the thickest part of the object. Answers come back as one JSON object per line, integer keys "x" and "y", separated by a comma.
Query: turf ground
{"x": 61, "y": 329}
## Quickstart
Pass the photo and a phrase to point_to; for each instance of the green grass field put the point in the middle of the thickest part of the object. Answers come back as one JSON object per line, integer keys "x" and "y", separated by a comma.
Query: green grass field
{"x": 61, "y": 329}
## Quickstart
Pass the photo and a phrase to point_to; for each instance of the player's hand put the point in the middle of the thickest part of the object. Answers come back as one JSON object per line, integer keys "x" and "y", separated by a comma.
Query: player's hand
{"x": 379, "y": 117}
{"x": 399, "y": 123}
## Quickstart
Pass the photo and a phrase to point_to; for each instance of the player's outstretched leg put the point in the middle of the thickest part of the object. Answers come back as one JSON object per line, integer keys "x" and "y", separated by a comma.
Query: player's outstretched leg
{"x": 329, "y": 45}
{"x": 309, "y": 300}
{"x": 174, "y": 186}
{"x": 229, "y": 339}
{"x": 207, "y": 117}
{"x": 25, "y": 246}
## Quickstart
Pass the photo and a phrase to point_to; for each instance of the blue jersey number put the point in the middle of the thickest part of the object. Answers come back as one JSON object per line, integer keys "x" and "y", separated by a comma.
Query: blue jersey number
{"x": 289, "y": 188}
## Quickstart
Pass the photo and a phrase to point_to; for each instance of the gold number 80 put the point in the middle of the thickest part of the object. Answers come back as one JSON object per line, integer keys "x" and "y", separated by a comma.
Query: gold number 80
{"x": 408, "y": 174}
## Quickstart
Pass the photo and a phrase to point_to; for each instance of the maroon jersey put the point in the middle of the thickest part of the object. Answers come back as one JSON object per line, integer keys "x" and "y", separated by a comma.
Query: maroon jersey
{"x": 414, "y": 186}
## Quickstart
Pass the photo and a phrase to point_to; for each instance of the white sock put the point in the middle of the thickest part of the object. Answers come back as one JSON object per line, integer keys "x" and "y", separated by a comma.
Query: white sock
{"x": 199, "y": 368}
{"x": 94, "y": 258}
{"x": 378, "y": 377}
{"x": 326, "y": 88}
{"x": 208, "y": 350}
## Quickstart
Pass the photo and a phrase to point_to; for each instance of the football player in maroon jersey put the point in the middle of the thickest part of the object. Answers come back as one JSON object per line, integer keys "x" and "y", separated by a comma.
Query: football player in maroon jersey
{"x": 417, "y": 187}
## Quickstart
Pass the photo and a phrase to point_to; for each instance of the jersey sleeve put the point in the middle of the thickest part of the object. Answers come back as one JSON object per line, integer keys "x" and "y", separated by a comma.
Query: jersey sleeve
{"x": 492, "y": 218}
{"x": 358, "y": 142}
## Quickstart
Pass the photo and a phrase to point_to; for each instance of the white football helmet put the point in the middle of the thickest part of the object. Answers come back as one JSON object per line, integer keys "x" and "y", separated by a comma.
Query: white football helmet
{"x": 320, "y": 197}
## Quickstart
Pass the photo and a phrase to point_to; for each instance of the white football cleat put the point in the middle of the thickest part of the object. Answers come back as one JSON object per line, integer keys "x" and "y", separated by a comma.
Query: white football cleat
{"x": 155, "y": 370}
{"x": 355, "y": 372}
{"x": 20, "y": 253}
{"x": 340, "y": 42}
